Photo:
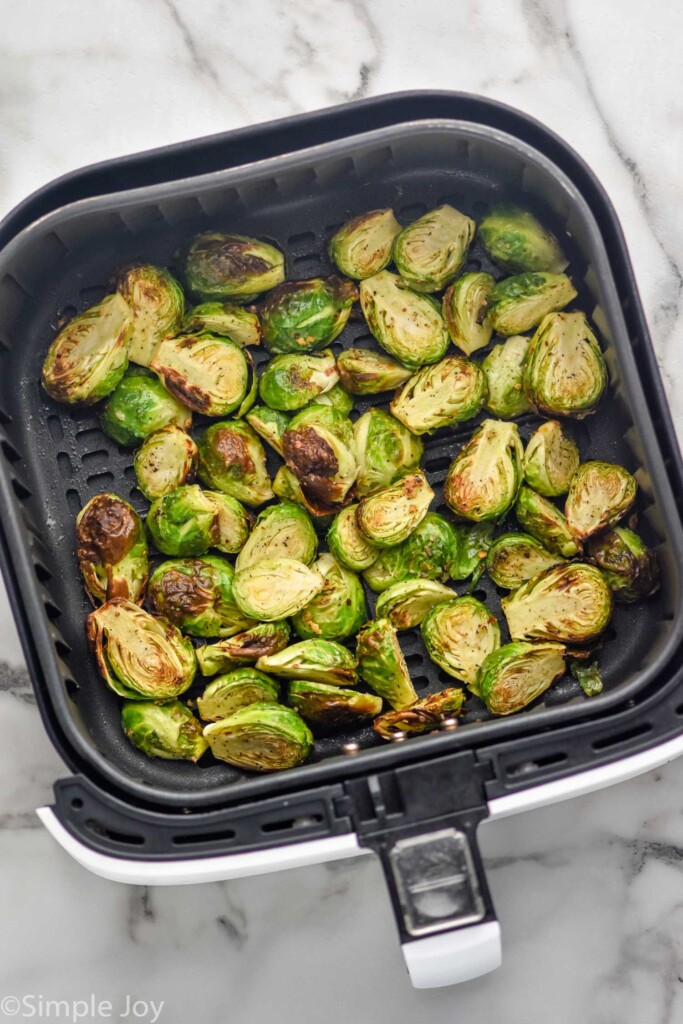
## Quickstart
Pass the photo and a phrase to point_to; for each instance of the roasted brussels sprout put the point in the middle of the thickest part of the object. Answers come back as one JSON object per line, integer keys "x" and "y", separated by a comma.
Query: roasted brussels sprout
{"x": 504, "y": 371}
{"x": 459, "y": 635}
{"x": 232, "y": 459}
{"x": 265, "y": 639}
{"x": 550, "y": 460}
{"x": 564, "y": 370}
{"x": 339, "y": 610}
{"x": 337, "y": 398}
{"x": 138, "y": 406}
{"x": 628, "y": 564}
{"x": 276, "y": 588}
{"x": 240, "y": 325}
{"x": 317, "y": 661}
{"x": 169, "y": 730}
{"x": 431, "y": 251}
{"x": 409, "y": 326}
{"x": 405, "y": 604}
{"x": 465, "y": 307}
{"x": 516, "y": 241}
{"x": 381, "y": 664}
{"x": 301, "y": 316}
{"x": 112, "y": 549}
{"x": 237, "y": 689}
{"x": 138, "y": 655}
{"x": 440, "y": 395}
{"x": 484, "y": 478}
{"x": 287, "y": 488}
{"x": 156, "y": 301}
{"x": 207, "y": 373}
{"x": 385, "y": 450}
{"x": 290, "y": 382}
{"x": 600, "y": 493}
{"x": 270, "y": 424}
{"x": 189, "y": 521}
{"x": 332, "y": 707}
{"x": 89, "y": 356}
{"x": 514, "y": 558}
{"x": 389, "y": 516}
{"x": 426, "y": 554}
{"x": 422, "y": 716}
{"x": 319, "y": 449}
{"x": 195, "y": 594}
{"x": 166, "y": 459}
{"x": 222, "y": 266}
{"x": 569, "y": 603}
{"x": 261, "y": 737}
{"x": 518, "y": 673}
{"x": 348, "y": 544}
{"x": 517, "y": 304}
{"x": 587, "y": 676}
{"x": 280, "y": 531}
{"x": 364, "y": 372}
{"x": 472, "y": 541}
{"x": 363, "y": 246}
{"x": 545, "y": 522}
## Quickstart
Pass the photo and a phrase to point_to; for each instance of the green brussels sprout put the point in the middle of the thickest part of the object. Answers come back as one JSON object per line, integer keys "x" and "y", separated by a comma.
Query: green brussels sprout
{"x": 459, "y": 635}
{"x": 111, "y": 548}
{"x": 138, "y": 406}
{"x": 405, "y": 604}
{"x": 339, "y": 610}
{"x": 485, "y": 476}
{"x": 332, "y": 707}
{"x": 138, "y": 655}
{"x": 223, "y": 266}
{"x": 504, "y": 371}
{"x": 382, "y": 666}
{"x": 385, "y": 450}
{"x": 465, "y": 307}
{"x": 545, "y": 522}
{"x": 550, "y": 460}
{"x": 363, "y": 246}
{"x": 188, "y": 521}
{"x": 426, "y": 554}
{"x": 157, "y": 303}
{"x": 472, "y": 541}
{"x": 290, "y": 382}
{"x": 389, "y": 516}
{"x": 422, "y": 716}
{"x": 240, "y": 325}
{"x": 517, "y": 304}
{"x": 302, "y": 316}
{"x": 89, "y": 356}
{"x": 407, "y": 325}
{"x": 261, "y": 737}
{"x": 337, "y": 398}
{"x": 169, "y": 730}
{"x": 195, "y": 594}
{"x": 165, "y": 460}
{"x": 346, "y": 542}
{"x": 564, "y": 370}
{"x": 441, "y": 395}
{"x": 319, "y": 449}
{"x": 600, "y": 493}
{"x": 316, "y": 661}
{"x": 232, "y": 460}
{"x": 237, "y": 689}
{"x": 514, "y": 558}
{"x": 207, "y": 373}
{"x": 516, "y": 241}
{"x": 518, "y": 673}
{"x": 264, "y": 639}
{"x": 628, "y": 564}
{"x": 431, "y": 251}
{"x": 587, "y": 676}
{"x": 280, "y": 531}
{"x": 288, "y": 489}
{"x": 276, "y": 588}
{"x": 568, "y": 603}
{"x": 269, "y": 424}
{"x": 364, "y": 372}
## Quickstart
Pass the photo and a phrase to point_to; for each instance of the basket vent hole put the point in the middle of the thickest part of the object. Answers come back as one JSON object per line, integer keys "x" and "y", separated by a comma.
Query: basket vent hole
{"x": 65, "y": 314}
{"x": 306, "y": 265}
{"x": 437, "y": 463}
{"x": 10, "y": 452}
{"x": 473, "y": 266}
{"x": 129, "y": 473}
{"x": 204, "y": 837}
{"x": 124, "y": 838}
{"x": 22, "y": 492}
{"x": 480, "y": 595}
{"x": 62, "y": 648}
{"x": 420, "y": 682}
{"x": 76, "y": 804}
{"x": 529, "y": 767}
{"x": 95, "y": 460}
{"x": 43, "y": 574}
{"x": 622, "y": 737}
{"x": 305, "y": 241}
{"x": 412, "y": 211}
{"x": 53, "y": 612}
{"x": 414, "y": 660}
{"x": 92, "y": 295}
{"x": 54, "y": 425}
{"x": 89, "y": 435}
{"x": 72, "y": 687}
{"x": 289, "y": 824}
{"x": 64, "y": 465}
{"x": 101, "y": 479}
{"x": 73, "y": 501}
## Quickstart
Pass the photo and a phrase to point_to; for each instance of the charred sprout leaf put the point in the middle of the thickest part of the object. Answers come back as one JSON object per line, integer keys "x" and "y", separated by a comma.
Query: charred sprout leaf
{"x": 167, "y": 730}
{"x": 206, "y": 372}
{"x": 288, "y": 489}
{"x": 363, "y": 246}
{"x": 240, "y": 325}
{"x": 189, "y": 521}
{"x": 385, "y": 450}
{"x": 319, "y": 449}
{"x": 195, "y": 594}
{"x": 587, "y": 676}
{"x": 389, "y": 516}
{"x": 157, "y": 303}
{"x": 317, "y": 661}
{"x": 545, "y": 522}
{"x": 484, "y": 478}
{"x": 465, "y": 308}
{"x": 265, "y": 639}
{"x": 407, "y": 325}
{"x": 222, "y": 266}
{"x": 290, "y": 382}
{"x": 504, "y": 371}
{"x": 140, "y": 405}
{"x": 261, "y": 737}
{"x": 564, "y": 371}
{"x": 337, "y": 398}
{"x": 431, "y": 251}
{"x": 406, "y": 604}
{"x": 472, "y": 541}
{"x": 514, "y": 558}
{"x": 449, "y": 392}
{"x": 422, "y": 716}
{"x": 332, "y": 707}
{"x": 232, "y": 459}
{"x": 382, "y": 666}
{"x": 517, "y": 304}
{"x": 426, "y": 554}
{"x": 348, "y": 544}
{"x": 275, "y": 589}
{"x": 550, "y": 460}
{"x": 459, "y": 635}
{"x": 237, "y": 689}
{"x": 89, "y": 356}
{"x": 301, "y": 316}
{"x": 339, "y": 610}
{"x": 166, "y": 459}
{"x": 280, "y": 531}
{"x": 269, "y": 424}
{"x": 518, "y": 673}
{"x": 516, "y": 241}
{"x": 628, "y": 564}
{"x": 599, "y": 495}
{"x": 568, "y": 603}
{"x": 364, "y": 372}
{"x": 111, "y": 547}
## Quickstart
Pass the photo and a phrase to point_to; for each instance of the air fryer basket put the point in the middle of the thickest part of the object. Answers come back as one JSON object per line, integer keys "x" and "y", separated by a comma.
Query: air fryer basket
{"x": 57, "y": 458}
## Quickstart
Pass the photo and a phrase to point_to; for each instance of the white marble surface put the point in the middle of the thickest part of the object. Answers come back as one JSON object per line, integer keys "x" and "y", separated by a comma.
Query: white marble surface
{"x": 589, "y": 893}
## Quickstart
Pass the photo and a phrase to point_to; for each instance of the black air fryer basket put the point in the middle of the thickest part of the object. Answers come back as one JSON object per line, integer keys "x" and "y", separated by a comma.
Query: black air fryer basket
{"x": 417, "y": 804}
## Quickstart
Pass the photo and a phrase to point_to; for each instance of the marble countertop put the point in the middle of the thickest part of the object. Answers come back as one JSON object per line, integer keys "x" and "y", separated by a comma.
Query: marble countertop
{"x": 589, "y": 893}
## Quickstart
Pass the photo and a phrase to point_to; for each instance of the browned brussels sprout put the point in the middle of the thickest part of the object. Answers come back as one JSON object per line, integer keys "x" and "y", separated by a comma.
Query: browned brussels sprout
{"x": 224, "y": 266}
{"x": 364, "y": 372}
{"x": 112, "y": 549}
{"x": 518, "y": 673}
{"x": 363, "y": 246}
{"x": 332, "y": 707}
{"x": 599, "y": 495}
{"x": 484, "y": 478}
{"x": 628, "y": 564}
{"x": 422, "y": 716}
{"x": 302, "y": 316}
{"x": 568, "y": 603}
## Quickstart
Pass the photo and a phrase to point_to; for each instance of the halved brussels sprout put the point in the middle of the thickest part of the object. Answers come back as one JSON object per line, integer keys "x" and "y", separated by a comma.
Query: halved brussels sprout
{"x": 422, "y": 716}
{"x": 237, "y": 689}
{"x": 363, "y": 246}
{"x": 426, "y": 554}
{"x": 431, "y": 251}
{"x": 564, "y": 371}
{"x": 485, "y": 476}
{"x": 518, "y": 673}
{"x": 545, "y": 522}
{"x": 138, "y": 406}
{"x": 111, "y": 548}
{"x": 224, "y": 266}
{"x": 207, "y": 373}
{"x": 287, "y": 488}
{"x": 389, "y": 516}
{"x": 385, "y": 450}
{"x": 169, "y": 730}
{"x": 89, "y": 356}
{"x": 331, "y": 707}
{"x": 166, "y": 459}
{"x": 516, "y": 241}
{"x": 628, "y": 564}
{"x": 157, "y": 303}
{"x": 195, "y": 594}
{"x": 405, "y": 604}
{"x": 189, "y": 521}
{"x": 381, "y": 664}
{"x": 587, "y": 676}
{"x": 280, "y": 531}
{"x": 568, "y": 603}
{"x": 409, "y": 326}
{"x": 465, "y": 308}
{"x": 459, "y": 635}
{"x": 514, "y": 558}
{"x": 261, "y": 737}
{"x": 301, "y": 316}
{"x": 441, "y": 395}
{"x": 290, "y": 382}
{"x": 517, "y": 304}
{"x": 319, "y": 449}
{"x": 348, "y": 544}
{"x": 339, "y": 610}
{"x": 276, "y": 588}
{"x": 270, "y": 424}
{"x": 600, "y": 493}
{"x": 317, "y": 661}
{"x": 550, "y": 460}
{"x": 337, "y": 398}
{"x": 364, "y": 372}
{"x": 138, "y": 655}
{"x": 265, "y": 639}
{"x": 240, "y": 325}
{"x": 504, "y": 371}
{"x": 232, "y": 459}
{"x": 472, "y": 541}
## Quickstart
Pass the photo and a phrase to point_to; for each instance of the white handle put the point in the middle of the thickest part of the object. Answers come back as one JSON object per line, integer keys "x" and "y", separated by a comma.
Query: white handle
{"x": 452, "y": 957}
